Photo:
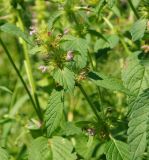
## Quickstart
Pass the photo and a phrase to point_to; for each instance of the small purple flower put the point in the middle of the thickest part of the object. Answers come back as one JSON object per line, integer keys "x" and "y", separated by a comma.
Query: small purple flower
{"x": 66, "y": 31}
{"x": 91, "y": 131}
{"x": 32, "y": 30}
{"x": 69, "y": 56}
{"x": 43, "y": 68}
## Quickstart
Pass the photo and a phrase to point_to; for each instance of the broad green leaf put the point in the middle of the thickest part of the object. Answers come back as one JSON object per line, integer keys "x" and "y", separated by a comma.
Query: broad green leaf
{"x": 137, "y": 131}
{"x": 3, "y": 154}
{"x": 5, "y": 89}
{"x": 14, "y": 30}
{"x": 64, "y": 77}
{"x": 111, "y": 3}
{"x": 135, "y": 77}
{"x": 69, "y": 129}
{"x": 138, "y": 29}
{"x": 53, "y": 19}
{"x": 107, "y": 82}
{"x": 75, "y": 44}
{"x": 117, "y": 150}
{"x": 80, "y": 61}
{"x": 111, "y": 42}
{"x": 62, "y": 149}
{"x": 85, "y": 146}
{"x": 54, "y": 111}
{"x": 56, "y": 148}
{"x": 40, "y": 149}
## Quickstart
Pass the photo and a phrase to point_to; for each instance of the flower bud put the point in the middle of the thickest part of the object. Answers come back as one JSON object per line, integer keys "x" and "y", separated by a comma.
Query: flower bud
{"x": 32, "y": 30}
{"x": 69, "y": 56}
{"x": 43, "y": 68}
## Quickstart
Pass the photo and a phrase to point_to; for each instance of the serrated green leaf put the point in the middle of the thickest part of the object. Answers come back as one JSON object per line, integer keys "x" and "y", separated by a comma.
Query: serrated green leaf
{"x": 111, "y": 42}
{"x": 56, "y": 148}
{"x": 54, "y": 111}
{"x": 135, "y": 77}
{"x": 107, "y": 82}
{"x": 85, "y": 146}
{"x": 62, "y": 149}
{"x": 117, "y": 150}
{"x": 69, "y": 129}
{"x": 40, "y": 149}
{"x": 137, "y": 132}
{"x": 111, "y": 3}
{"x": 4, "y": 154}
{"x": 14, "y": 30}
{"x": 75, "y": 44}
{"x": 138, "y": 29}
{"x": 64, "y": 77}
{"x": 53, "y": 19}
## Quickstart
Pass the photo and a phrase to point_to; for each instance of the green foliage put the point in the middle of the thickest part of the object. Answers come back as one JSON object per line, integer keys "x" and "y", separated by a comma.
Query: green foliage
{"x": 138, "y": 29}
{"x": 64, "y": 77}
{"x": 40, "y": 149}
{"x": 54, "y": 111}
{"x": 62, "y": 149}
{"x": 47, "y": 149}
{"x": 110, "y": 42}
{"x": 107, "y": 82}
{"x": 4, "y": 154}
{"x": 137, "y": 132}
{"x": 116, "y": 149}
{"x": 80, "y": 90}
{"x": 14, "y": 30}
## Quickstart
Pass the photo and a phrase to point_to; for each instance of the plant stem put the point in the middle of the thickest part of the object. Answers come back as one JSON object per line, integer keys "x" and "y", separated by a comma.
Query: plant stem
{"x": 89, "y": 101}
{"x": 133, "y": 9}
{"x": 29, "y": 69}
{"x": 98, "y": 88}
{"x": 21, "y": 78}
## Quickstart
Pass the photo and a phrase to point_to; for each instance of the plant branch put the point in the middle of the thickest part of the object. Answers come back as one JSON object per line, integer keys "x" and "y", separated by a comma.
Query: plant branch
{"x": 133, "y": 9}
{"x": 89, "y": 101}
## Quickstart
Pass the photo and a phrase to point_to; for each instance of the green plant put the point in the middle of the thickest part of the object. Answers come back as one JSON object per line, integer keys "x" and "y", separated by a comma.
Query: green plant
{"x": 91, "y": 63}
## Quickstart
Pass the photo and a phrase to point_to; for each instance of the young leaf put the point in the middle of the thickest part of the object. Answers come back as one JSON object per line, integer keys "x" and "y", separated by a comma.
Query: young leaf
{"x": 85, "y": 146}
{"x": 62, "y": 149}
{"x": 111, "y": 42}
{"x": 53, "y": 19}
{"x": 54, "y": 111}
{"x": 117, "y": 150}
{"x": 40, "y": 149}
{"x": 64, "y": 77}
{"x": 107, "y": 82}
{"x": 75, "y": 44}
{"x": 14, "y": 30}
{"x": 137, "y": 131}
{"x": 138, "y": 29}
{"x": 69, "y": 129}
{"x": 3, "y": 154}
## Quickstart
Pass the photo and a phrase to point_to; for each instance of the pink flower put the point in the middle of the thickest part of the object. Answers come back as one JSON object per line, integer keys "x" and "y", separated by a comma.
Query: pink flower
{"x": 43, "y": 68}
{"x": 66, "y": 31}
{"x": 32, "y": 30}
{"x": 69, "y": 56}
